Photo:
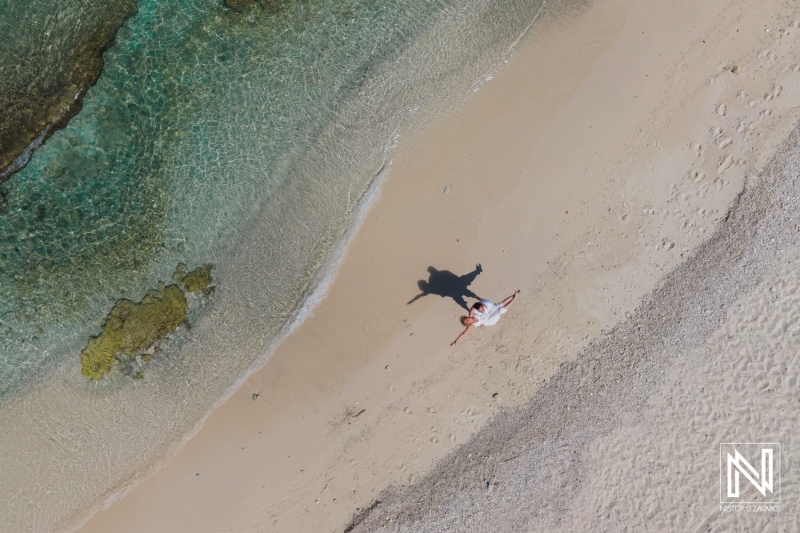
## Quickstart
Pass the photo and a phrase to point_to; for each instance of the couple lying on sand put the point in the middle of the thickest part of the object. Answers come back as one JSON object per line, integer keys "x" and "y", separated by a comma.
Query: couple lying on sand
{"x": 485, "y": 313}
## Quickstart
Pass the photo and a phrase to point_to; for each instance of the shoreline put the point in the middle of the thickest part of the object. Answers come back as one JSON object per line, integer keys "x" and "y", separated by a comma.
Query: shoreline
{"x": 327, "y": 386}
{"x": 166, "y": 404}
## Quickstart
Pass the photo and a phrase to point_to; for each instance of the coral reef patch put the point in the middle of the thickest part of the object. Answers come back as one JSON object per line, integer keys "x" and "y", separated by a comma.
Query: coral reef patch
{"x": 133, "y": 328}
{"x": 199, "y": 279}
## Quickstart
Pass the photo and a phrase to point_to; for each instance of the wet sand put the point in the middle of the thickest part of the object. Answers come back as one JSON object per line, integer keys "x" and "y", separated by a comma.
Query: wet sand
{"x": 608, "y": 191}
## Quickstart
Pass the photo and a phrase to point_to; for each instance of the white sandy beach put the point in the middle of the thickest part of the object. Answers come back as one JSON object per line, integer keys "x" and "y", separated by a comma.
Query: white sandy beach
{"x": 585, "y": 187}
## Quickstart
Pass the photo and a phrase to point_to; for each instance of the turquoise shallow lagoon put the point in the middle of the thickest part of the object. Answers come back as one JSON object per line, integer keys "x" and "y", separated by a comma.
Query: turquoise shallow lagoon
{"x": 200, "y": 117}
{"x": 253, "y": 139}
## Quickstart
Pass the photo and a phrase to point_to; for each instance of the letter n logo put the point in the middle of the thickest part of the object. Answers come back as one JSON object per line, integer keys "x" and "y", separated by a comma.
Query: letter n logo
{"x": 744, "y": 482}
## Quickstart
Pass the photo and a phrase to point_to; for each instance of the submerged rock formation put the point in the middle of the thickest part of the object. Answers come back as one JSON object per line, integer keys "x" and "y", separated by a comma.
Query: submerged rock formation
{"x": 47, "y": 63}
{"x": 272, "y": 6}
{"x": 198, "y": 279}
{"x": 132, "y": 328}
{"x": 233, "y": 4}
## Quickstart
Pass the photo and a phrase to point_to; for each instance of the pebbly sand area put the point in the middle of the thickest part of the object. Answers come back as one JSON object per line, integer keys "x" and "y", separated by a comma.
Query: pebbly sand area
{"x": 643, "y": 195}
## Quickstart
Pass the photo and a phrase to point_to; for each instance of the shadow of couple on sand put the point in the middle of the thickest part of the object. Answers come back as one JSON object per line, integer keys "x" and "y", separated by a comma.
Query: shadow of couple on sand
{"x": 447, "y": 285}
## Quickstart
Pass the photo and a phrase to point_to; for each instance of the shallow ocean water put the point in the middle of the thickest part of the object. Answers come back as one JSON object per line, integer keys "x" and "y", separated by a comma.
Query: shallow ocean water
{"x": 48, "y": 59}
{"x": 200, "y": 116}
{"x": 251, "y": 139}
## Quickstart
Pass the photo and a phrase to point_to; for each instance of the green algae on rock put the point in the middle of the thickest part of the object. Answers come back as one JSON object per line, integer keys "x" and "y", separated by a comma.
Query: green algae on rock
{"x": 234, "y": 4}
{"x": 198, "y": 279}
{"x": 131, "y": 328}
{"x": 271, "y": 6}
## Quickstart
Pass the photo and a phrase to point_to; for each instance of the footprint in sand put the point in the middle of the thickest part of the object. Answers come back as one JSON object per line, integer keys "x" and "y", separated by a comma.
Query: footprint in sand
{"x": 623, "y": 215}
{"x": 696, "y": 176}
{"x": 724, "y": 164}
{"x": 688, "y": 226}
{"x": 697, "y": 147}
{"x": 768, "y": 55}
{"x": 724, "y": 142}
{"x": 722, "y": 109}
{"x": 747, "y": 129}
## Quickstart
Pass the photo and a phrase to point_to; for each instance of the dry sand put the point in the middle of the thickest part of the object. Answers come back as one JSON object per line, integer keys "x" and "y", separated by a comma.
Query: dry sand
{"x": 627, "y": 436}
{"x": 596, "y": 172}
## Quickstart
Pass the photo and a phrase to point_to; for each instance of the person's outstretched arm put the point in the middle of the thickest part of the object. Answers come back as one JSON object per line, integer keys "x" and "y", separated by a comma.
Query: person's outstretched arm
{"x": 462, "y": 334}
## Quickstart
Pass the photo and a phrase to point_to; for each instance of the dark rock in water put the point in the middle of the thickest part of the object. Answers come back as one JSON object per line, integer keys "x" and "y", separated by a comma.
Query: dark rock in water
{"x": 47, "y": 63}
{"x": 131, "y": 328}
{"x": 180, "y": 273}
{"x": 199, "y": 279}
{"x": 238, "y": 3}
{"x": 271, "y": 6}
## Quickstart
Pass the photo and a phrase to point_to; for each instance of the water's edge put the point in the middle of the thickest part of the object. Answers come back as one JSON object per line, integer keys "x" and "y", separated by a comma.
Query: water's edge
{"x": 238, "y": 320}
{"x": 314, "y": 293}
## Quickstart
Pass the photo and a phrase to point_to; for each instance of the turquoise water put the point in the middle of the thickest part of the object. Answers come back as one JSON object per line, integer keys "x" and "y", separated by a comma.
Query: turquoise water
{"x": 250, "y": 139}
{"x": 49, "y": 57}
{"x": 199, "y": 117}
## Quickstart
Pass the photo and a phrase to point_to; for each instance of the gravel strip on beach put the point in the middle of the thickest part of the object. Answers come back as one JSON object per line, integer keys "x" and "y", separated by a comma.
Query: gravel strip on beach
{"x": 523, "y": 469}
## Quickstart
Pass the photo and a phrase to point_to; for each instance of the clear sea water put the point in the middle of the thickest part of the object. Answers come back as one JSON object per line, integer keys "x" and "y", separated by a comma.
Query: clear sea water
{"x": 250, "y": 139}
